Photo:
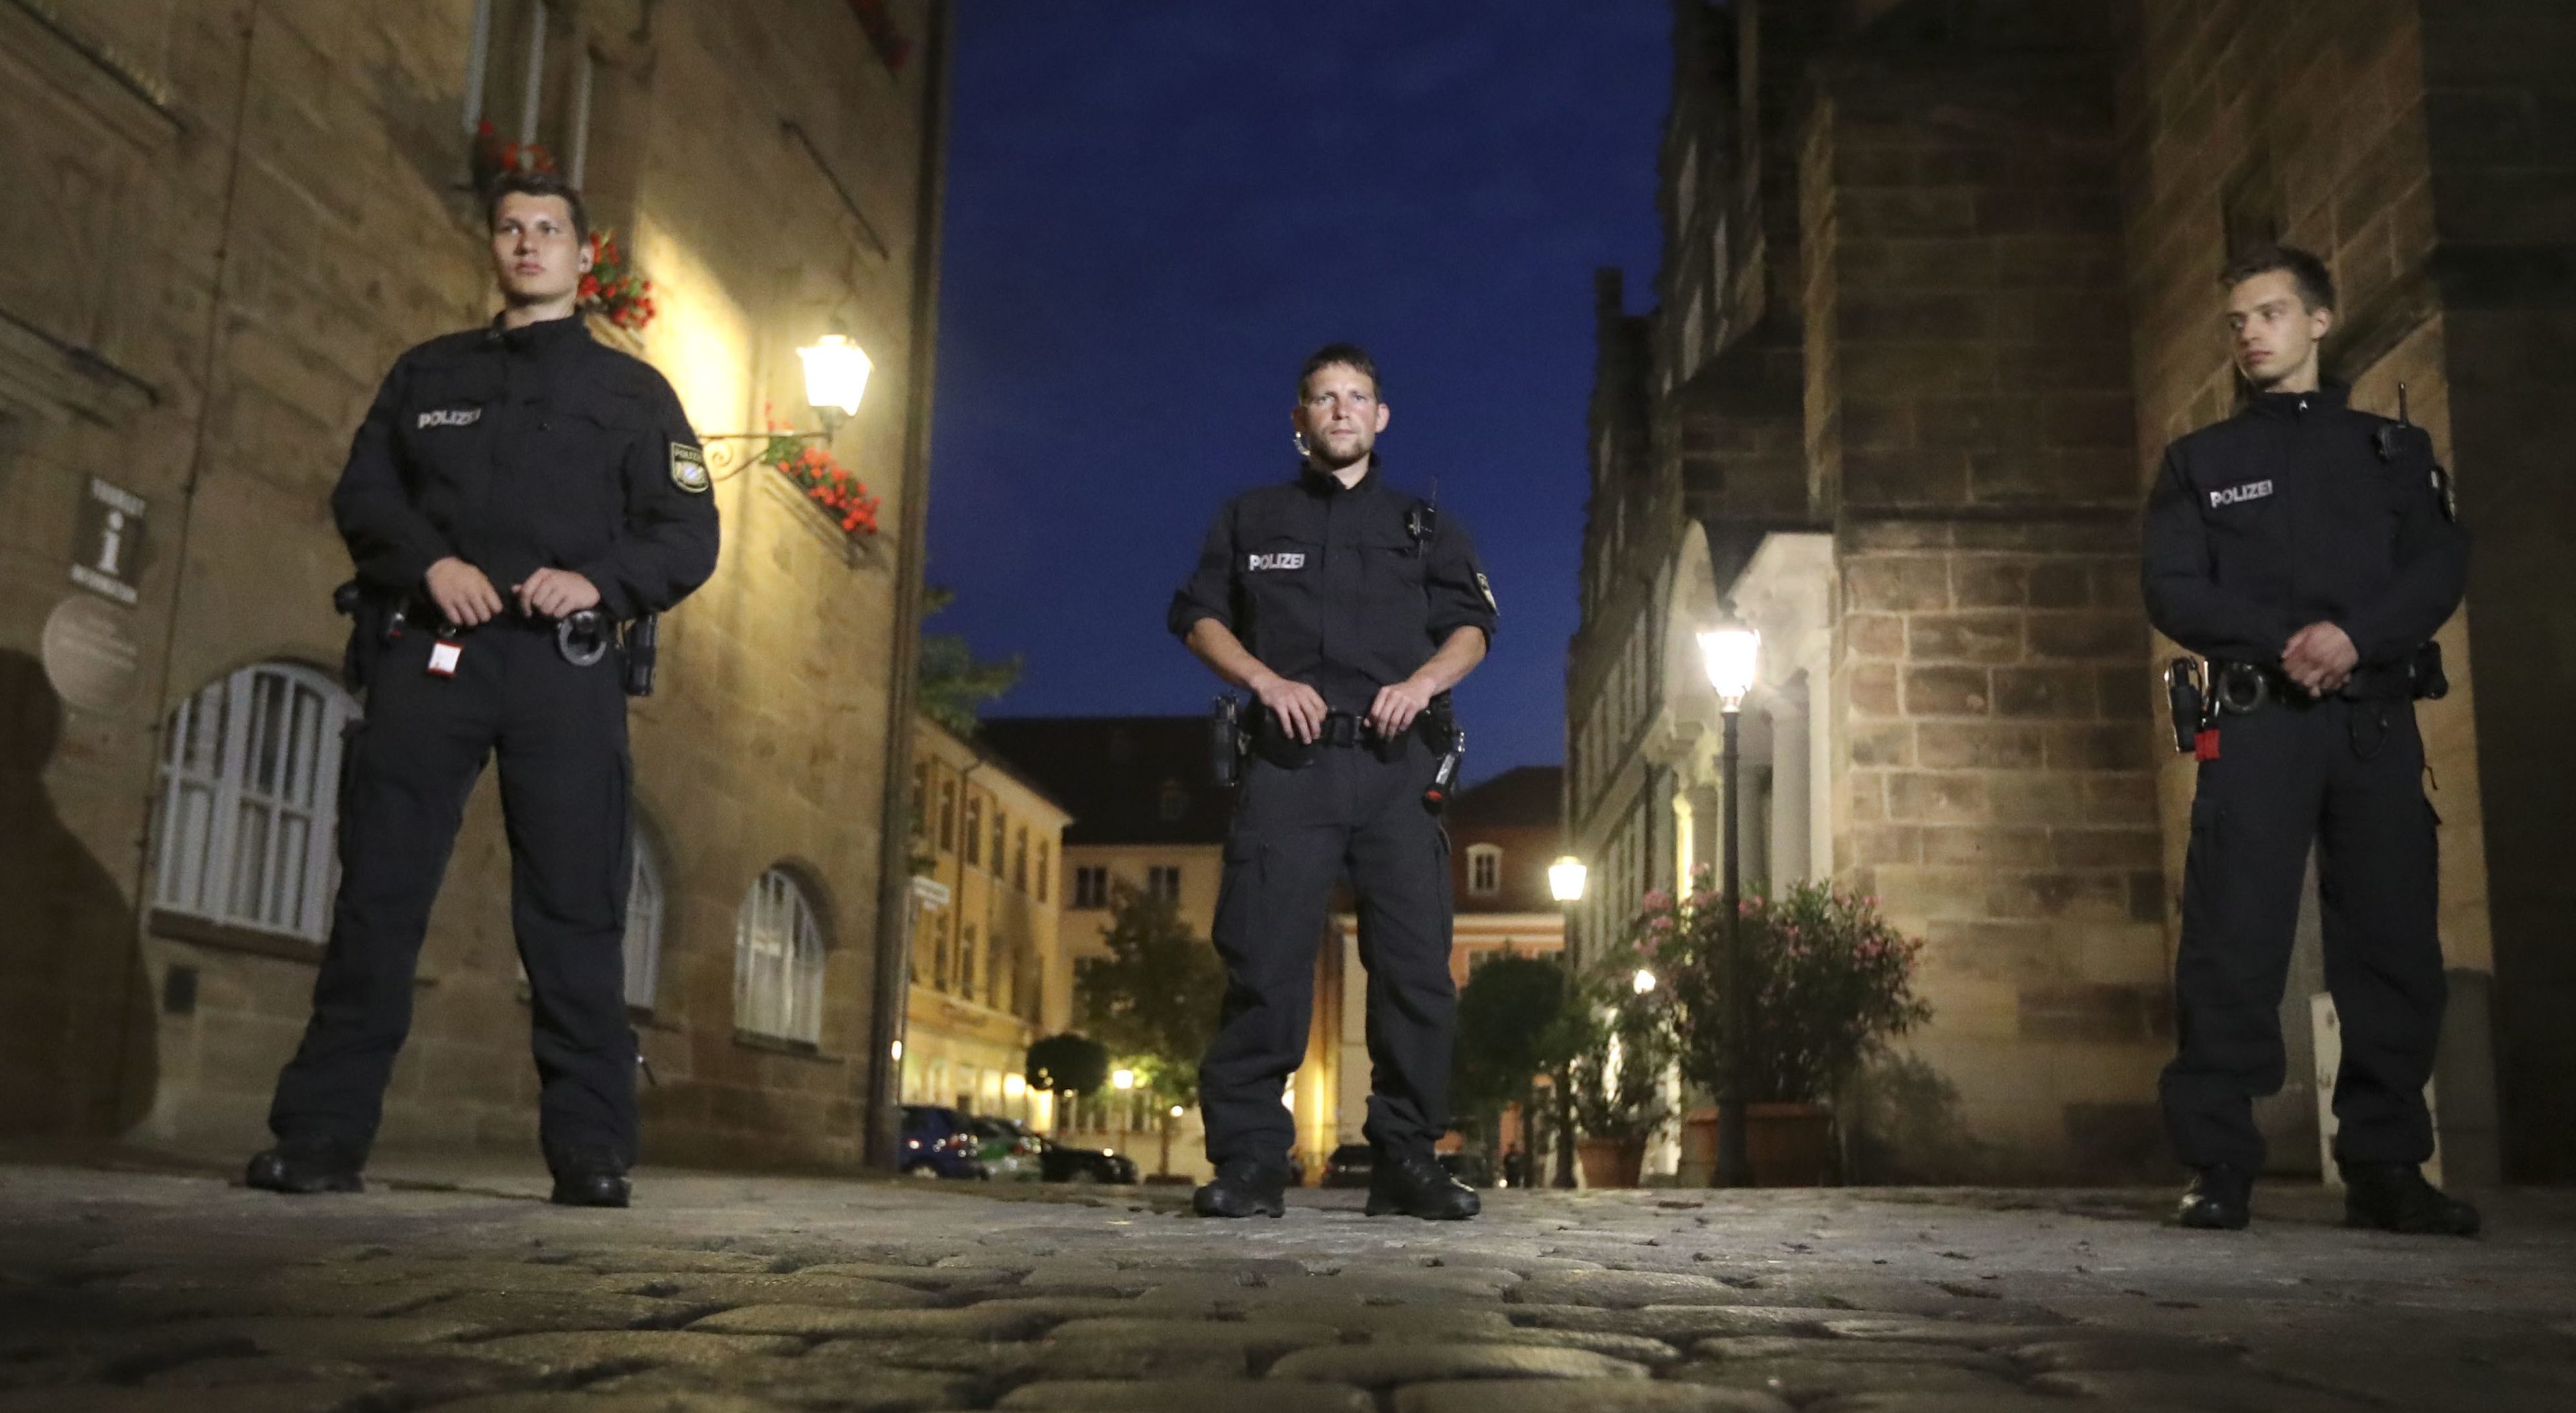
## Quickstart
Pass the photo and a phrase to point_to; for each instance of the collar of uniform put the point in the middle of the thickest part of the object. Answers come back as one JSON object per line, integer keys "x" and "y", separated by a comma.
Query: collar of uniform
{"x": 2290, "y": 405}
{"x": 542, "y": 336}
{"x": 1325, "y": 483}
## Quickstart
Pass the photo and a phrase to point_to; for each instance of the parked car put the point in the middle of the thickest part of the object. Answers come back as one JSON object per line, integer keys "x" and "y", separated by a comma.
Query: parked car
{"x": 1009, "y": 1149}
{"x": 940, "y": 1143}
{"x": 1469, "y": 1168}
{"x": 1350, "y": 1166}
{"x": 1059, "y": 1162}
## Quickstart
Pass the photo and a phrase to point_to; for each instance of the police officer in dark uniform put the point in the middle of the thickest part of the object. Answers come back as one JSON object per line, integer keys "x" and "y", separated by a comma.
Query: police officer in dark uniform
{"x": 515, "y": 493}
{"x": 2308, "y": 551}
{"x": 1349, "y": 609}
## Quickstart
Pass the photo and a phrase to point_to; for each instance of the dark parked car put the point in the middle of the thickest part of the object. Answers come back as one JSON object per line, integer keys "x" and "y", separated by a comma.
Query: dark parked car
{"x": 1352, "y": 1163}
{"x": 1350, "y": 1166}
{"x": 1059, "y": 1162}
{"x": 940, "y": 1142}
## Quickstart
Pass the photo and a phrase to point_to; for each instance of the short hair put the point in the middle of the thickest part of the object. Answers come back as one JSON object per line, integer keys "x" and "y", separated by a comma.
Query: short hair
{"x": 1347, "y": 355}
{"x": 529, "y": 181}
{"x": 2316, "y": 283}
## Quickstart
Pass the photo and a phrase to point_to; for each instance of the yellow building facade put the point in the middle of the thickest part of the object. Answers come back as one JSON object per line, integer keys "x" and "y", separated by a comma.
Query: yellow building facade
{"x": 988, "y": 972}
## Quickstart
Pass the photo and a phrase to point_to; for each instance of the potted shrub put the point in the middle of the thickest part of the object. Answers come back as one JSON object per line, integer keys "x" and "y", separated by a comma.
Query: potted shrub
{"x": 1616, "y": 1044}
{"x": 1830, "y": 982}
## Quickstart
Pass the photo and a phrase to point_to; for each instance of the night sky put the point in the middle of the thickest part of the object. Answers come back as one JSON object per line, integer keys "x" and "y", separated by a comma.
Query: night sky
{"x": 1157, "y": 208}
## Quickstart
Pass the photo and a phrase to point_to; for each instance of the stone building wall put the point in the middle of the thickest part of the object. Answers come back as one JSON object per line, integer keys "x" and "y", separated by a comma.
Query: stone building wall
{"x": 273, "y": 202}
{"x": 1968, "y": 395}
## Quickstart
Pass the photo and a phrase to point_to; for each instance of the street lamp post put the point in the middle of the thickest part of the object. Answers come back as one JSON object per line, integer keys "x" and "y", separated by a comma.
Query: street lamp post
{"x": 1565, "y": 880}
{"x": 1733, "y": 654}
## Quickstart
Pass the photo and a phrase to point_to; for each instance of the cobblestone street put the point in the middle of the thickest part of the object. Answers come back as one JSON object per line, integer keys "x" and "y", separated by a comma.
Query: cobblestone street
{"x": 457, "y": 1288}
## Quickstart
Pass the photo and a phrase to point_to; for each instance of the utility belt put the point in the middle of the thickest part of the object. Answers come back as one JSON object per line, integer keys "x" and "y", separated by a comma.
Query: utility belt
{"x": 379, "y": 618}
{"x": 1229, "y": 741}
{"x": 2201, "y": 694}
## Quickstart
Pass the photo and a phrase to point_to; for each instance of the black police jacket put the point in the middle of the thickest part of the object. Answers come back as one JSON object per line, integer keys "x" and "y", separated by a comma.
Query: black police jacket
{"x": 524, "y": 449}
{"x": 2297, "y": 510}
{"x": 1332, "y": 587}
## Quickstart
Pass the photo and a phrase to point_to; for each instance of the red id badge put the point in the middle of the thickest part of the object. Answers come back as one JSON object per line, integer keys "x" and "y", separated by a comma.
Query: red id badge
{"x": 443, "y": 657}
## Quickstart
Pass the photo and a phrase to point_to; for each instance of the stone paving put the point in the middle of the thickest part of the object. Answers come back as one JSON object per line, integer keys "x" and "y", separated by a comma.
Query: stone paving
{"x": 454, "y": 1287}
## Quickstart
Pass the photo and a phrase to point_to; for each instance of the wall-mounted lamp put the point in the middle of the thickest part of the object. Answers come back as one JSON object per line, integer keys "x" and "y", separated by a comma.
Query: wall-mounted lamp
{"x": 836, "y": 380}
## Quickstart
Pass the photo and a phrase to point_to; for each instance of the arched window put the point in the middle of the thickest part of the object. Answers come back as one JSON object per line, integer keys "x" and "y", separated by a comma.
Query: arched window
{"x": 643, "y": 922}
{"x": 250, "y": 773}
{"x": 1484, "y": 870}
{"x": 778, "y": 961}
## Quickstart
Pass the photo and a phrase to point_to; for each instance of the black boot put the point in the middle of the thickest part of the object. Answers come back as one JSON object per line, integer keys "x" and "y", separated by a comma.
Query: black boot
{"x": 1243, "y": 1188}
{"x": 2220, "y": 1198}
{"x": 1417, "y": 1186}
{"x": 303, "y": 1166}
{"x": 2395, "y": 1197}
{"x": 590, "y": 1180}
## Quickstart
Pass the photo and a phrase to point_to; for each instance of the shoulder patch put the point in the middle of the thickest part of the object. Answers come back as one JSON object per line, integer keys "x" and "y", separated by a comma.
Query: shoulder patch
{"x": 1485, "y": 587}
{"x": 2443, "y": 493}
{"x": 689, "y": 469}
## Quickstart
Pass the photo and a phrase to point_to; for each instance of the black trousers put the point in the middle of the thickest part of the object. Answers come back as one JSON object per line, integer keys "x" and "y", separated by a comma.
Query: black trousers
{"x": 560, "y": 734}
{"x": 1348, "y": 811}
{"x": 2347, "y": 776}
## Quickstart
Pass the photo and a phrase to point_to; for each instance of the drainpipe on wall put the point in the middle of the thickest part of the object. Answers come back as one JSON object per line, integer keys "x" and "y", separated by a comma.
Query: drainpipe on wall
{"x": 894, "y": 862}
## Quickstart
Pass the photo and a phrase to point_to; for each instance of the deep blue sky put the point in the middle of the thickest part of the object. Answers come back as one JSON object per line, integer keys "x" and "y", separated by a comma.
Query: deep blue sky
{"x": 1157, "y": 208}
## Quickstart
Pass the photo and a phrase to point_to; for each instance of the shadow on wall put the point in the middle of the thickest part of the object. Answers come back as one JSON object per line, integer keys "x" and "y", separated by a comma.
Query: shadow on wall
{"x": 75, "y": 1009}
{"x": 1904, "y": 1128}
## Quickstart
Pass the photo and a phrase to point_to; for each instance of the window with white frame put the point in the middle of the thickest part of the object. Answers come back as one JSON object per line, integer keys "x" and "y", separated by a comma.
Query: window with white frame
{"x": 250, "y": 772}
{"x": 1091, "y": 886}
{"x": 1484, "y": 870}
{"x": 643, "y": 923}
{"x": 778, "y": 961}
{"x": 530, "y": 75}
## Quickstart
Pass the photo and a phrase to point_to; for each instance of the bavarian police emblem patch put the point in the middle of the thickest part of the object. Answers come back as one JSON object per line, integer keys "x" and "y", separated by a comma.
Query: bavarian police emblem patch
{"x": 2449, "y": 498}
{"x": 1487, "y": 590}
{"x": 689, "y": 468}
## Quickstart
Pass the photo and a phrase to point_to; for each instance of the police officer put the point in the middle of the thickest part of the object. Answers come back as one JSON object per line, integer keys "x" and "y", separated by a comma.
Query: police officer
{"x": 2308, "y": 551}
{"x": 507, "y": 479}
{"x": 1349, "y": 609}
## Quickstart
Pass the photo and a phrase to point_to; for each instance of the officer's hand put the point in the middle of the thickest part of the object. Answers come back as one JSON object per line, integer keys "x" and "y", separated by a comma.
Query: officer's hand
{"x": 1300, "y": 708}
{"x": 555, "y": 593}
{"x": 2320, "y": 658}
{"x": 1396, "y": 707}
{"x": 461, "y": 592}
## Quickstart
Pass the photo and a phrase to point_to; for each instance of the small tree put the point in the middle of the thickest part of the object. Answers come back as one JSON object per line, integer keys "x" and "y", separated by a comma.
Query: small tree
{"x": 1505, "y": 1014}
{"x": 1068, "y": 1064}
{"x": 1154, "y": 999}
{"x": 951, "y": 684}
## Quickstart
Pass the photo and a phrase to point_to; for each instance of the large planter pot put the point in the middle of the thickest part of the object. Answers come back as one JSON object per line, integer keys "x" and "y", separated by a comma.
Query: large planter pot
{"x": 1611, "y": 1162}
{"x": 1791, "y": 1145}
{"x": 1699, "y": 1147}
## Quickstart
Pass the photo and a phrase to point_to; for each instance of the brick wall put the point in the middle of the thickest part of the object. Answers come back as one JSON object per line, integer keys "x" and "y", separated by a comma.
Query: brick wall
{"x": 2499, "y": 117}
{"x": 1969, "y": 417}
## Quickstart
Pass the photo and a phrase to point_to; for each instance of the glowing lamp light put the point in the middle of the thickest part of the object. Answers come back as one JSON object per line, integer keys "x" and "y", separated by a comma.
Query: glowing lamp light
{"x": 1013, "y": 1086}
{"x": 1644, "y": 981}
{"x": 1123, "y": 1079}
{"x": 1176, "y": 1111}
{"x": 836, "y": 373}
{"x": 1733, "y": 656}
{"x": 1565, "y": 879}
{"x": 898, "y": 1049}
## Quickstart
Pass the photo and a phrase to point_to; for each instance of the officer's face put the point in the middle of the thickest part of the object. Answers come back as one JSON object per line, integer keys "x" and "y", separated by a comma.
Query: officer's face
{"x": 534, "y": 250}
{"x": 2276, "y": 332}
{"x": 1341, "y": 416}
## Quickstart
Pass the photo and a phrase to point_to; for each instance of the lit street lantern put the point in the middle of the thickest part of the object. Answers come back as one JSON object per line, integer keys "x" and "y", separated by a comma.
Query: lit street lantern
{"x": 1733, "y": 655}
{"x": 1565, "y": 879}
{"x": 836, "y": 375}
